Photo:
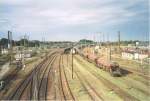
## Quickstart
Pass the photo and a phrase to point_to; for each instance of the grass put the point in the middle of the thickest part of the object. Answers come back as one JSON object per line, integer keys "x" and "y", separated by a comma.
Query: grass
{"x": 130, "y": 88}
{"x": 3, "y": 59}
{"x": 133, "y": 65}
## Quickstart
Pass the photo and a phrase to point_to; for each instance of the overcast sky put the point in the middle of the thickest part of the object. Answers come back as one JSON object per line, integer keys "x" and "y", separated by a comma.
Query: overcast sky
{"x": 75, "y": 19}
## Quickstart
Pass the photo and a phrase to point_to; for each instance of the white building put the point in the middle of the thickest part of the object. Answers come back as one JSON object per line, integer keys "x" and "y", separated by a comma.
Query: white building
{"x": 127, "y": 55}
{"x": 4, "y": 51}
{"x": 140, "y": 56}
{"x": 137, "y": 55}
{"x": 20, "y": 55}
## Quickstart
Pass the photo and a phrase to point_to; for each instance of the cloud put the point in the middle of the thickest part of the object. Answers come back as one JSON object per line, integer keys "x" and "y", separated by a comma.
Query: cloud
{"x": 36, "y": 16}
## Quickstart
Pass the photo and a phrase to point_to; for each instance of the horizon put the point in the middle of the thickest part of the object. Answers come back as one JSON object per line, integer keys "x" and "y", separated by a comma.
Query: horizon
{"x": 80, "y": 40}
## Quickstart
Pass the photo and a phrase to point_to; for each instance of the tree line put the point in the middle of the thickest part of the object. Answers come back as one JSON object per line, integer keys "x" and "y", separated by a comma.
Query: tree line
{"x": 37, "y": 43}
{"x": 28, "y": 43}
{"x": 125, "y": 43}
{"x": 22, "y": 42}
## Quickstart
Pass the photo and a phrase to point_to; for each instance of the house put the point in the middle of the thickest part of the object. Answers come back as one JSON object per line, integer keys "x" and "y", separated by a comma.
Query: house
{"x": 136, "y": 54}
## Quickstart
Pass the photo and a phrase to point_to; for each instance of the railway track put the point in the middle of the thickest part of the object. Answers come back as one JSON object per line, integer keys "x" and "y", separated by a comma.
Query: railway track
{"x": 12, "y": 75}
{"x": 45, "y": 75}
{"x": 93, "y": 94}
{"x": 64, "y": 81}
{"x": 114, "y": 87}
{"x": 55, "y": 88}
{"x": 91, "y": 91}
{"x": 137, "y": 72}
{"x": 129, "y": 70}
{"x": 19, "y": 91}
{"x": 40, "y": 80}
{"x": 132, "y": 85}
{"x": 44, "y": 80}
{"x": 16, "y": 93}
{"x": 48, "y": 81}
{"x": 139, "y": 87}
{"x": 27, "y": 94}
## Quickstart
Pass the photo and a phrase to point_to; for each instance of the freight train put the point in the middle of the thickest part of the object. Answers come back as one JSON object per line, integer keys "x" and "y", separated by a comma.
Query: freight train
{"x": 109, "y": 66}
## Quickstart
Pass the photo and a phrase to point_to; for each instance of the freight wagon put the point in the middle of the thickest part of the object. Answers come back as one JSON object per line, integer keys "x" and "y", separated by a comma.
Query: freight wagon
{"x": 109, "y": 66}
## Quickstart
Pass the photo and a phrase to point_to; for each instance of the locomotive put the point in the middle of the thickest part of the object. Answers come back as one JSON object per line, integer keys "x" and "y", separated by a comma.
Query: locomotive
{"x": 109, "y": 66}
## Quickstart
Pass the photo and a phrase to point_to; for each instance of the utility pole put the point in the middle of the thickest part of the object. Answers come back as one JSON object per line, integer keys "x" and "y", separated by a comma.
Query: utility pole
{"x": 27, "y": 42}
{"x": 72, "y": 60}
{"x": 24, "y": 45}
{"x": 119, "y": 41}
{"x": 0, "y": 49}
{"x": 110, "y": 53}
{"x": 22, "y": 55}
{"x": 109, "y": 47}
{"x": 67, "y": 59}
{"x": 43, "y": 43}
{"x": 99, "y": 39}
{"x": 94, "y": 40}
{"x": 109, "y": 43}
{"x": 103, "y": 38}
{"x": 10, "y": 45}
{"x": 85, "y": 42}
{"x": 81, "y": 45}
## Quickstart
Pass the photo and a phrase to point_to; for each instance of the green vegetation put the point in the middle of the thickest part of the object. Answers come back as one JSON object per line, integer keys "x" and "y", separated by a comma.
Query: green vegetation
{"x": 34, "y": 43}
{"x": 123, "y": 43}
{"x": 85, "y": 41}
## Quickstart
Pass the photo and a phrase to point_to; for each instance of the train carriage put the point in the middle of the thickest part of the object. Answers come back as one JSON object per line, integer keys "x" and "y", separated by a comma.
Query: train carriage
{"x": 110, "y": 66}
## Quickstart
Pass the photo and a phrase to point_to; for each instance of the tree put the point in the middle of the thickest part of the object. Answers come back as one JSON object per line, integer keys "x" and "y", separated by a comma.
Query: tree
{"x": 4, "y": 42}
{"x": 83, "y": 41}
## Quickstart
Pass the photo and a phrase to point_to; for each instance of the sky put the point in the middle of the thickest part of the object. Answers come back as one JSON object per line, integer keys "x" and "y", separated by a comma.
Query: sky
{"x": 72, "y": 20}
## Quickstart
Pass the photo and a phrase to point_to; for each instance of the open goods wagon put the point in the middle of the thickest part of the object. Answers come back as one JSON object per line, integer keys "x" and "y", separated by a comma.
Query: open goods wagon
{"x": 109, "y": 66}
